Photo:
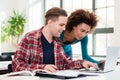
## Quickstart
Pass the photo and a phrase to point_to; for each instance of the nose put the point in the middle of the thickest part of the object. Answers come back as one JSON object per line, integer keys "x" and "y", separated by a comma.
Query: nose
{"x": 83, "y": 34}
{"x": 63, "y": 28}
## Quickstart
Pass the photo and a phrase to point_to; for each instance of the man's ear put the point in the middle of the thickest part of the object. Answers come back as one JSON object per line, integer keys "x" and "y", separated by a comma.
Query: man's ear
{"x": 50, "y": 21}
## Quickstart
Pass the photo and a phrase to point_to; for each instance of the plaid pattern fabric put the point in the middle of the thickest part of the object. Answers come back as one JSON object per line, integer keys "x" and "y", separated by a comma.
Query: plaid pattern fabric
{"x": 29, "y": 55}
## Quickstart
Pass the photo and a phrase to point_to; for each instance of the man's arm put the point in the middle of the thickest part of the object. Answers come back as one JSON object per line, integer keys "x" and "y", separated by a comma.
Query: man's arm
{"x": 22, "y": 56}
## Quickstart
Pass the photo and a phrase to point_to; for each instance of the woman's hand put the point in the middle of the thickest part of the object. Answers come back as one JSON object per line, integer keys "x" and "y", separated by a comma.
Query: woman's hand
{"x": 87, "y": 64}
{"x": 102, "y": 64}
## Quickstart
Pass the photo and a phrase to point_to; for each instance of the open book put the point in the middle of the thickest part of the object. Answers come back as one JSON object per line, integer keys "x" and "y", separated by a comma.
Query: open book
{"x": 65, "y": 74}
{"x": 21, "y": 75}
{"x": 59, "y": 74}
{"x": 21, "y": 78}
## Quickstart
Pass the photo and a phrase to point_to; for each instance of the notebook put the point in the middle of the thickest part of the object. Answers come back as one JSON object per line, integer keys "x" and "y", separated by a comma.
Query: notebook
{"x": 111, "y": 61}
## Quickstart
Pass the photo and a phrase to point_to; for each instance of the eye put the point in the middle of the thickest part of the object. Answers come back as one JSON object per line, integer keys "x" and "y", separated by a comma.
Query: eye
{"x": 86, "y": 32}
{"x": 62, "y": 25}
{"x": 82, "y": 30}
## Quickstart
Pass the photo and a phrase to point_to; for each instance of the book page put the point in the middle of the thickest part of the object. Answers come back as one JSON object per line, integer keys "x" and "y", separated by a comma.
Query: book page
{"x": 68, "y": 73}
{"x": 20, "y": 73}
{"x": 21, "y": 78}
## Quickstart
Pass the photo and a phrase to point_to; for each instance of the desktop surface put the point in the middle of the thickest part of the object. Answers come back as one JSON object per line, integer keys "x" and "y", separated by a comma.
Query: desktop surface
{"x": 113, "y": 75}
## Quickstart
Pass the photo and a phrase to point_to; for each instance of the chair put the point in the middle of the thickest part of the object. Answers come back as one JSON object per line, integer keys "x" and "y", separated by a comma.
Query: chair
{"x": 8, "y": 53}
{"x": 6, "y": 56}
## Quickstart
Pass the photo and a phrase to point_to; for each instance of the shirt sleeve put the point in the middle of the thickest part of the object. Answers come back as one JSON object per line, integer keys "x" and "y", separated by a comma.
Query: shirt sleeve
{"x": 21, "y": 59}
{"x": 72, "y": 64}
{"x": 84, "y": 48}
{"x": 67, "y": 62}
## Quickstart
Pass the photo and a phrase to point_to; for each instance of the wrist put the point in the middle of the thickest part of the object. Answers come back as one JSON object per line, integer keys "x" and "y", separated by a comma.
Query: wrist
{"x": 82, "y": 61}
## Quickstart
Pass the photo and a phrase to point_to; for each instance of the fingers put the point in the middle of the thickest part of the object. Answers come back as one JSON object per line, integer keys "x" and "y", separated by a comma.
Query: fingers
{"x": 87, "y": 64}
{"x": 95, "y": 66}
{"x": 51, "y": 68}
{"x": 55, "y": 67}
{"x": 102, "y": 63}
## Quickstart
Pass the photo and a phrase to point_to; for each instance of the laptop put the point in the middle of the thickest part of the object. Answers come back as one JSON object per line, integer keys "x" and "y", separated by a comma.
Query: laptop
{"x": 110, "y": 62}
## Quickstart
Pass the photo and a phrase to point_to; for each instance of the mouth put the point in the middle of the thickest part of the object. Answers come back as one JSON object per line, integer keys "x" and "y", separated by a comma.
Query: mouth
{"x": 80, "y": 38}
{"x": 60, "y": 32}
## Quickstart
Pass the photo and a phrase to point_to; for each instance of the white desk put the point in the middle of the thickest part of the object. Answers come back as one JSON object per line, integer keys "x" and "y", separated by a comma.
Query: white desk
{"x": 114, "y": 75}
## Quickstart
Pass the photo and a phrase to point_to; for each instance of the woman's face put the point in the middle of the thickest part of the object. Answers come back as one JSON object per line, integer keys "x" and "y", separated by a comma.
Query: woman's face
{"x": 80, "y": 31}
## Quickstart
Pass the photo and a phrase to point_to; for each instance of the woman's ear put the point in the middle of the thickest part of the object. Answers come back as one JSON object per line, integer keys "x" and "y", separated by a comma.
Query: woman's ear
{"x": 92, "y": 30}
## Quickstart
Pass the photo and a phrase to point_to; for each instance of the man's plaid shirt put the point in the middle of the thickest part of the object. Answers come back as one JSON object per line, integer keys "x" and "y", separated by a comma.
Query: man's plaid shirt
{"x": 29, "y": 55}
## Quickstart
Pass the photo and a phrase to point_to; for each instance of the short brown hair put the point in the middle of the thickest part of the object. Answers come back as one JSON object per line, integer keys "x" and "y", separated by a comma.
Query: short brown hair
{"x": 81, "y": 16}
{"x": 54, "y": 13}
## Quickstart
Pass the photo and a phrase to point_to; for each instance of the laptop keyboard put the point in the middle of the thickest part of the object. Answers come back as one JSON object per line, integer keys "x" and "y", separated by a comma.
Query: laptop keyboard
{"x": 91, "y": 70}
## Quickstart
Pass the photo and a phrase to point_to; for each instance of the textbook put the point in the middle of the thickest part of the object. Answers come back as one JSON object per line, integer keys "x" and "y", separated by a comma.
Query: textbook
{"x": 20, "y": 75}
{"x": 21, "y": 78}
{"x": 63, "y": 74}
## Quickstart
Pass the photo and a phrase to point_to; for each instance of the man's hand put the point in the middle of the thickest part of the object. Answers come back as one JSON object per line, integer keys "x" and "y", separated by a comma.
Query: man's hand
{"x": 50, "y": 67}
{"x": 87, "y": 64}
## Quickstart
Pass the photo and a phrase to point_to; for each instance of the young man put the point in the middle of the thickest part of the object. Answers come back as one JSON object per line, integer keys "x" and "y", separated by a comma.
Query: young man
{"x": 42, "y": 49}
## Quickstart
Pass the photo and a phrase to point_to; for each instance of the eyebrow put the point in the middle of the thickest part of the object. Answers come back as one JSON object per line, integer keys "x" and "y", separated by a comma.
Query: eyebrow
{"x": 62, "y": 24}
{"x": 85, "y": 30}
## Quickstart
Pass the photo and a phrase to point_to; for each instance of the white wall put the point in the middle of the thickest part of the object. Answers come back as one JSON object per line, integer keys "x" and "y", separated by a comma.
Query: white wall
{"x": 6, "y": 9}
{"x": 116, "y": 37}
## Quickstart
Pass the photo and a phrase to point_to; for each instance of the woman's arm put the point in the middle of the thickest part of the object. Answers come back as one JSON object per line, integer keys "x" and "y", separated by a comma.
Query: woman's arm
{"x": 84, "y": 49}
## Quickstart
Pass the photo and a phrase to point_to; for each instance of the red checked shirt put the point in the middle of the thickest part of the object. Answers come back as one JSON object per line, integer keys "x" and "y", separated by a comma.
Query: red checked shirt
{"x": 29, "y": 55}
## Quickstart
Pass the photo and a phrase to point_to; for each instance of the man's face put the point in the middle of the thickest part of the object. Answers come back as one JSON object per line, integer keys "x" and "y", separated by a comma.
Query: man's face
{"x": 58, "y": 26}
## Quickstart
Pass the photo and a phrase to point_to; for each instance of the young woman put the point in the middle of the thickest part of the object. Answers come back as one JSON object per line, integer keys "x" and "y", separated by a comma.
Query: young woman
{"x": 80, "y": 23}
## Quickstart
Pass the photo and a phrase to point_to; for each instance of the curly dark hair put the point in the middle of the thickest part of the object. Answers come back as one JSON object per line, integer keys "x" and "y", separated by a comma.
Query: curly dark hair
{"x": 81, "y": 16}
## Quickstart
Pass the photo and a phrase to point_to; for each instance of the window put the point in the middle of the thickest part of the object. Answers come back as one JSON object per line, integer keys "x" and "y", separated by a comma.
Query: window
{"x": 71, "y": 5}
{"x": 35, "y": 14}
{"x": 51, "y": 3}
{"x": 98, "y": 41}
{"x": 105, "y": 10}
